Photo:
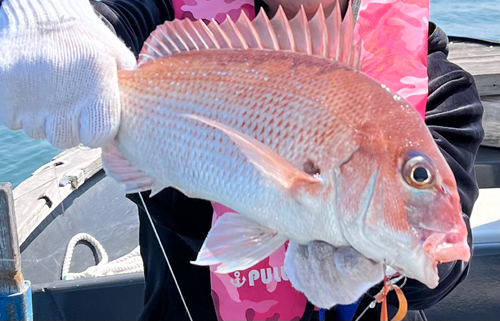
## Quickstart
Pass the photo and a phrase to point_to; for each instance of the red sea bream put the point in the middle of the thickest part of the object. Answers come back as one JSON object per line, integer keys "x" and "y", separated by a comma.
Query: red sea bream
{"x": 272, "y": 119}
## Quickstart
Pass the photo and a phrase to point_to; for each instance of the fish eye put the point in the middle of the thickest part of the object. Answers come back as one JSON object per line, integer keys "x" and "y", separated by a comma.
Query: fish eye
{"x": 418, "y": 172}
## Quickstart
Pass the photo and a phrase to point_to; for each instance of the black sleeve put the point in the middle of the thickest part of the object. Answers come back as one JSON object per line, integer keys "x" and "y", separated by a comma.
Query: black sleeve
{"x": 134, "y": 20}
{"x": 453, "y": 116}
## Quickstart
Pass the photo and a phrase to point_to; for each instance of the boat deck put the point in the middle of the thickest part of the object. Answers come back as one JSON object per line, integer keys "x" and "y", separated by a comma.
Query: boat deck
{"x": 482, "y": 60}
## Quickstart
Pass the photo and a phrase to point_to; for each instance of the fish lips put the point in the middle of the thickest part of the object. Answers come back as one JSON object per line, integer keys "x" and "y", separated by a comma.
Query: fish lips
{"x": 439, "y": 247}
{"x": 446, "y": 247}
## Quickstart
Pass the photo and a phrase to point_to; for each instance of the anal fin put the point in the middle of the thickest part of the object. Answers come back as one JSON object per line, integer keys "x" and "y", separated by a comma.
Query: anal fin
{"x": 237, "y": 243}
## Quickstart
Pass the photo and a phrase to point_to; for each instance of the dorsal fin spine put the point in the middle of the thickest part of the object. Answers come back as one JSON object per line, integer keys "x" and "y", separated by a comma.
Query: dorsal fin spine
{"x": 348, "y": 36}
{"x": 170, "y": 41}
{"x": 215, "y": 27}
{"x": 152, "y": 48}
{"x": 261, "y": 22}
{"x": 178, "y": 37}
{"x": 301, "y": 33}
{"x": 248, "y": 31}
{"x": 162, "y": 45}
{"x": 334, "y": 23}
{"x": 234, "y": 33}
{"x": 200, "y": 41}
{"x": 279, "y": 25}
{"x": 325, "y": 36}
{"x": 319, "y": 37}
{"x": 189, "y": 35}
{"x": 205, "y": 34}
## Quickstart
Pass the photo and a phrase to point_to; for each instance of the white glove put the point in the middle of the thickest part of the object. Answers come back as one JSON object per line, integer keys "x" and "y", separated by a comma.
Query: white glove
{"x": 328, "y": 275}
{"x": 58, "y": 72}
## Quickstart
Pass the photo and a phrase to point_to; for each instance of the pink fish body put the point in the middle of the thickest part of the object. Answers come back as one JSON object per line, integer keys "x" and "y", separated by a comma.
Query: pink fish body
{"x": 258, "y": 117}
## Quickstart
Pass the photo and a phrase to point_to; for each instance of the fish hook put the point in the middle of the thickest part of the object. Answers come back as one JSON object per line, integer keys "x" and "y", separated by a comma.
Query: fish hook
{"x": 381, "y": 297}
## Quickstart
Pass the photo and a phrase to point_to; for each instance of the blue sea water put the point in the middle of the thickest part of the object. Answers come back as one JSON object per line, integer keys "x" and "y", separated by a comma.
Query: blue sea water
{"x": 20, "y": 156}
{"x": 475, "y": 19}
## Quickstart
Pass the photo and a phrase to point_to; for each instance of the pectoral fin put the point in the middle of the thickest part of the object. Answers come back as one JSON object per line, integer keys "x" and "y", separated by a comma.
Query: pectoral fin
{"x": 271, "y": 165}
{"x": 237, "y": 243}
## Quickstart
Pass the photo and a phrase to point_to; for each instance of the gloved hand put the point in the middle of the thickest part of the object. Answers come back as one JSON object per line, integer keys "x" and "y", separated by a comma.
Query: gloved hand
{"x": 328, "y": 275}
{"x": 58, "y": 72}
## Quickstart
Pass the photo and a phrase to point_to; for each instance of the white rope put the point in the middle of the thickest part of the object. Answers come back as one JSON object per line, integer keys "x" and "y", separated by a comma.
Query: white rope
{"x": 166, "y": 258}
{"x": 129, "y": 263}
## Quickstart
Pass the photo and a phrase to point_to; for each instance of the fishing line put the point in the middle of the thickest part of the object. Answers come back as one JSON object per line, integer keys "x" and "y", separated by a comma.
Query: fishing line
{"x": 165, "y": 256}
{"x": 58, "y": 188}
{"x": 392, "y": 280}
{"x": 16, "y": 197}
{"x": 370, "y": 306}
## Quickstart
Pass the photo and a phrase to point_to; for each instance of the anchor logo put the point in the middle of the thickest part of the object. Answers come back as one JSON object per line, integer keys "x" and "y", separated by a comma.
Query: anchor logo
{"x": 236, "y": 281}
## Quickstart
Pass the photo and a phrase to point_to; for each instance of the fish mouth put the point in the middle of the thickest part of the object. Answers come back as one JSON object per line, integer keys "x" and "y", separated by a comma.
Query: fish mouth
{"x": 434, "y": 247}
{"x": 446, "y": 247}
{"x": 440, "y": 247}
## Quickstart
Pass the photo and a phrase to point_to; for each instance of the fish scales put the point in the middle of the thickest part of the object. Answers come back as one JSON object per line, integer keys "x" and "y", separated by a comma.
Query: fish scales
{"x": 240, "y": 89}
{"x": 263, "y": 95}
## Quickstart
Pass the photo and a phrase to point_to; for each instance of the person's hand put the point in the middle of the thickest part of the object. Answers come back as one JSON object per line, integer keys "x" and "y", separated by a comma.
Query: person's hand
{"x": 58, "y": 72}
{"x": 328, "y": 275}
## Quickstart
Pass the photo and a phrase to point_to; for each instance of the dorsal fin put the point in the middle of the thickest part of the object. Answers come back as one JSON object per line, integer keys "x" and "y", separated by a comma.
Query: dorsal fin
{"x": 326, "y": 36}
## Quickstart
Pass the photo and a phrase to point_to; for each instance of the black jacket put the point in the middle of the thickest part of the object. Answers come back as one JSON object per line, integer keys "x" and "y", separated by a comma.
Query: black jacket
{"x": 453, "y": 115}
